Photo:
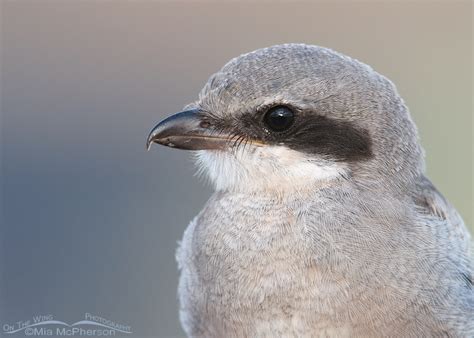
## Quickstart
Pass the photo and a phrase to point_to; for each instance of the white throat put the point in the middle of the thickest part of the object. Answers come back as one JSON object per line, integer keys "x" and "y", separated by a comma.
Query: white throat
{"x": 274, "y": 169}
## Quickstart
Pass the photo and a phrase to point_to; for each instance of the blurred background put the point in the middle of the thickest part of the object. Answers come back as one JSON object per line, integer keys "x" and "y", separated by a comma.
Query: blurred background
{"x": 90, "y": 220}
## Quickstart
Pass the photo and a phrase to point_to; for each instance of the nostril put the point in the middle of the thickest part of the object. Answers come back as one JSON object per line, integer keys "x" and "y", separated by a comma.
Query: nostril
{"x": 204, "y": 124}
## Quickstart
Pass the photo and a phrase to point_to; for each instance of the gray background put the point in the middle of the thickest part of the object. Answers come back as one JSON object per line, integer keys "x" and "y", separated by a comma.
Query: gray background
{"x": 90, "y": 220}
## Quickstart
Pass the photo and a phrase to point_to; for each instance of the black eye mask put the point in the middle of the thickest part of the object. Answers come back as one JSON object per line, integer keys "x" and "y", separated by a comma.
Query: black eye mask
{"x": 306, "y": 132}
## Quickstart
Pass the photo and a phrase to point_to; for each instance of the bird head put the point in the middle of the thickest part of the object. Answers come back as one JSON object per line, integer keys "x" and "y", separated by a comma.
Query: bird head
{"x": 294, "y": 117}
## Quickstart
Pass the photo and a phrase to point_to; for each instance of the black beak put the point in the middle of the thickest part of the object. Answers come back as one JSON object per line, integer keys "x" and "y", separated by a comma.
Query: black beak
{"x": 186, "y": 130}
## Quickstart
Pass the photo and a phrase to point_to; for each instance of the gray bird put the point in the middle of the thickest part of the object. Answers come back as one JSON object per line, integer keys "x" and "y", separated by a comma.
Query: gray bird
{"x": 322, "y": 222}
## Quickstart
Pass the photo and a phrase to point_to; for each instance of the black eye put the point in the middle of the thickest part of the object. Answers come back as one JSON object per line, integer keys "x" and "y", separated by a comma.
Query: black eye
{"x": 279, "y": 118}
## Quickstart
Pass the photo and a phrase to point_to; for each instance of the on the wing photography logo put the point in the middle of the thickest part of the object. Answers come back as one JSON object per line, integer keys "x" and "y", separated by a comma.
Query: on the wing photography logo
{"x": 47, "y": 325}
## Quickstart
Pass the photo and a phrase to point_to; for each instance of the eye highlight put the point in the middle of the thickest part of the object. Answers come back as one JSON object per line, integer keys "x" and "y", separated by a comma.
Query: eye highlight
{"x": 279, "y": 118}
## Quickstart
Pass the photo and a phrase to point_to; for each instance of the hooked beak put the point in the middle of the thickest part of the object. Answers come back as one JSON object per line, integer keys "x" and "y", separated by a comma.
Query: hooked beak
{"x": 186, "y": 130}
